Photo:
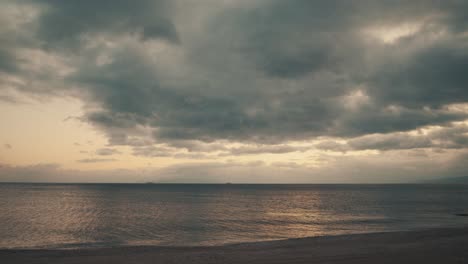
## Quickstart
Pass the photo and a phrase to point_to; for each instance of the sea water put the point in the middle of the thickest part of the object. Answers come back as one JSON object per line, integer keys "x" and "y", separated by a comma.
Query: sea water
{"x": 104, "y": 215}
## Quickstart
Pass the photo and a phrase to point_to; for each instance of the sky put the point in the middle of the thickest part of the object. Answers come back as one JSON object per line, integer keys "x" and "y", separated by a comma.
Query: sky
{"x": 242, "y": 91}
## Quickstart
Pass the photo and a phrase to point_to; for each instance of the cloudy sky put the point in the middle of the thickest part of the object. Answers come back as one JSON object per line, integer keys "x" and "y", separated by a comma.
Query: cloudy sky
{"x": 233, "y": 91}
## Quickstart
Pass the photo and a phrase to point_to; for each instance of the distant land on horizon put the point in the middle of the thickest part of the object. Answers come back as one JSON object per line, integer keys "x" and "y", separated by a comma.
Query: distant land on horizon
{"x": 449, "y": 180}
{"x": 461, "y": 179}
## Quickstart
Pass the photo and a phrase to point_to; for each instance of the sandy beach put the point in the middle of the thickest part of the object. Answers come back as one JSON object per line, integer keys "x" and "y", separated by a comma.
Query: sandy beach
{"x": 429, "y": 246}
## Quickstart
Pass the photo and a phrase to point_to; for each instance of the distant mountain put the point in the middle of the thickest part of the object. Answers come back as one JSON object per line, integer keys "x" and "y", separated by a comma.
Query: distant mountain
{"x": 462, "y": 180}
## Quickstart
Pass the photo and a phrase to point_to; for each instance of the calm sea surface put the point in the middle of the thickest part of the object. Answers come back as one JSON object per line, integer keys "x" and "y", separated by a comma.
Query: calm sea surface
{"x": 101, "y": 215}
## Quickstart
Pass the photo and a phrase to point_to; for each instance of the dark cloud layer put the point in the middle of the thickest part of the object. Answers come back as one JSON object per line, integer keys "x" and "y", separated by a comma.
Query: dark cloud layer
{"x": 263, "y": 72}
{"x": 67, "y": 22}
{"x": 433, "y": 76}
{"x": 7, "y": 60}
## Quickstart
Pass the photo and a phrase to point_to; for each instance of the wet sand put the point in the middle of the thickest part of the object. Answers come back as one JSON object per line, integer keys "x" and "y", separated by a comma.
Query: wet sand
{"x": 431, "y": 246}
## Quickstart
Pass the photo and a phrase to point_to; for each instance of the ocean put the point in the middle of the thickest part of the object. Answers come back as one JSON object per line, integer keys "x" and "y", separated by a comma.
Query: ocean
{"x": 65, "y": 216}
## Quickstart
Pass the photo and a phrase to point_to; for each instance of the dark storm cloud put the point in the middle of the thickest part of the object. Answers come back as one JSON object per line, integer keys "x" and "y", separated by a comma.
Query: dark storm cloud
{"x": 269, "y": 72}
{"x": 62, "y": 29}
{"x": 10, "y": 39}
{"x": 290, "y": 39}
{"x": 285, "y": 41}
{"x": 378, "y": 119}
{"x": 65, "y": 22}
{"x": 7, "y": 60}
{"x": 133, "y": 95}
{"x": 131, "y": 92}
{"x": 433, "y": 76}
{"x": 293, "y": 39}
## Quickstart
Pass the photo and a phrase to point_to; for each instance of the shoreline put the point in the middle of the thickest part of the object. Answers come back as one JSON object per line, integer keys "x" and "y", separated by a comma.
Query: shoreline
{"x": 83, "y": 247}
{"x": 441, "y": 245}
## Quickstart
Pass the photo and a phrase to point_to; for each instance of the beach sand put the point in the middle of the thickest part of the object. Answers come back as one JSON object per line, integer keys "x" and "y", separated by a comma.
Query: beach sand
{"x": 430, "y": 246}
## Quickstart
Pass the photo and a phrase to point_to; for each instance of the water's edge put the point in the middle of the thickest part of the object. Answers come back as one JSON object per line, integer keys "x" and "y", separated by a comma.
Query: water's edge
{"x": 266, "y": 243}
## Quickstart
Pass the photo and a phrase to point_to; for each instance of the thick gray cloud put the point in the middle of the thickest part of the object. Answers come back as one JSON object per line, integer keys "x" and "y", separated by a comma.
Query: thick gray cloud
{"x": 290, "y": 39}
{"x": 67, "y": 22}
{"x": 264, "y": 72}
{"x": 7, "y": 60}
{"x": 375, "y": 118}
{"x": 449, "y": 137}
{"x": 432, "y": 76}
{"x": 10, "y": 39}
